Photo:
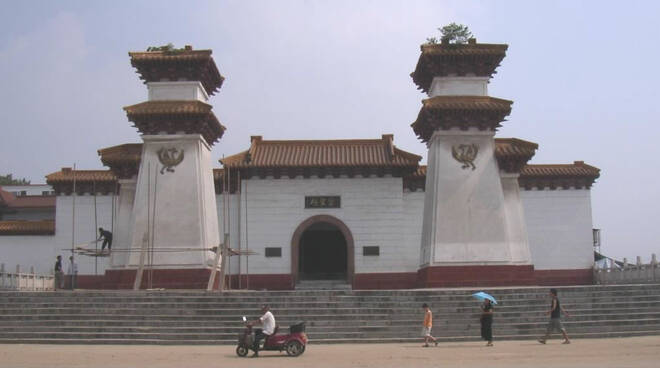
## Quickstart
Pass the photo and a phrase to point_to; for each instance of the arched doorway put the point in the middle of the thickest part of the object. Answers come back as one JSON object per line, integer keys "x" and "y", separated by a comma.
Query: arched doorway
{"x": 322, "y": 249}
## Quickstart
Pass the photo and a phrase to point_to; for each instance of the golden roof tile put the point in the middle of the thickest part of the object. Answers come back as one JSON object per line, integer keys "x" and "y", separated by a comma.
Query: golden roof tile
{"x": 322, "y": 153}
{"x": 43, "y": 227}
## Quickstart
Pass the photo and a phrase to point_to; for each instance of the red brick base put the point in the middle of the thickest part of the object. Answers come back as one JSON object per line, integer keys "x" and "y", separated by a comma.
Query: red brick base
{"x": 564, "y": 277}
{"x": 456, "y": 276}
{"x": 263, "y": 282}
{"x": 429, "y": 277}
{"x": 380, "y": 281}
{"x": 167, "y": 279}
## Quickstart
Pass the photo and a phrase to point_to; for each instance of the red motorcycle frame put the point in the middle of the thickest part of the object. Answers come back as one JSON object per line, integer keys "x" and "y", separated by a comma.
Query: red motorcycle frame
{"x": 293, "y": 343}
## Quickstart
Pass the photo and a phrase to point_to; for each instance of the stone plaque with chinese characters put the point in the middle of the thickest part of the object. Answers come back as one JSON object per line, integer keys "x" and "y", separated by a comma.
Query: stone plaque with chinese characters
{"x": 322, "y": 202}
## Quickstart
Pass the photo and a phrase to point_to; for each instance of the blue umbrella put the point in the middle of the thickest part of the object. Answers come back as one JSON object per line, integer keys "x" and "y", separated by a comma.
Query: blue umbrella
{"x": 481, "y": 296}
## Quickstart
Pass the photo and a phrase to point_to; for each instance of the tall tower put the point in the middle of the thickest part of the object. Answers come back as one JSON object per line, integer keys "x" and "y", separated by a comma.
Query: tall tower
{"x": 473, "y": 233}
{"x": 174, "y": 206}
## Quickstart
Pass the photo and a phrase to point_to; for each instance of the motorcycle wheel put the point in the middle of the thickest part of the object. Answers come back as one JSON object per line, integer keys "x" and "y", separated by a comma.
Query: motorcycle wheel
{"x": 241, "y": 350}
{"x": 294, "y": 348}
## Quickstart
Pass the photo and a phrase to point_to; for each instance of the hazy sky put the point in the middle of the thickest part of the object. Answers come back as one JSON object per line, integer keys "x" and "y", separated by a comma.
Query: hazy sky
{"x": 583, "y": 76}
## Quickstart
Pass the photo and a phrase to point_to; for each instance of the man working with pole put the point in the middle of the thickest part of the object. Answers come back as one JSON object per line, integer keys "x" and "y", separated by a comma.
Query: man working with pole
{"x": 107, "y": 239}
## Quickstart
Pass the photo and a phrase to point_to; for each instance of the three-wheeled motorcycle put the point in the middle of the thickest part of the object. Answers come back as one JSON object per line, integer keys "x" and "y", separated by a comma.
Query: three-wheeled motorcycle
{"x": 293, "y": 343}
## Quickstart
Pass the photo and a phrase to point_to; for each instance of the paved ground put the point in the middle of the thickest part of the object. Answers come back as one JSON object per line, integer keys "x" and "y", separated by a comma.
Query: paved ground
{"x": 601, "y": 353}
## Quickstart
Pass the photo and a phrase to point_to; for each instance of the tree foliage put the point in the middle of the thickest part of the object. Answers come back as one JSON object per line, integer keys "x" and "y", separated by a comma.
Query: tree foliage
{"x": 9, "y": 180}
{"x": 167, "y": 49}
{"x": 452, "y": 33}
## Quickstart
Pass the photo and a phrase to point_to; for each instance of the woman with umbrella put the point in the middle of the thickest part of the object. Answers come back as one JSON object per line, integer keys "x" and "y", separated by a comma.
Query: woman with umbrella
{"x": 486, "y": 316}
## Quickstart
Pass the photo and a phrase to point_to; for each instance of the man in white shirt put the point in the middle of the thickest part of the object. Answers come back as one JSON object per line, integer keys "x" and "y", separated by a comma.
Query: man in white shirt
{"x": 267, "y": 321}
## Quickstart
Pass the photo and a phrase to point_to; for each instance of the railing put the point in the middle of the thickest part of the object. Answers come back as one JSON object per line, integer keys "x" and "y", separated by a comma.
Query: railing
{"x": 25, "y": 281}
{"x": 638, "y": 273}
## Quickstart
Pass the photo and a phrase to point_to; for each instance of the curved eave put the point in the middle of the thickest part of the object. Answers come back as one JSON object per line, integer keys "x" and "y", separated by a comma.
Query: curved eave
{"x": 437, "y": 60}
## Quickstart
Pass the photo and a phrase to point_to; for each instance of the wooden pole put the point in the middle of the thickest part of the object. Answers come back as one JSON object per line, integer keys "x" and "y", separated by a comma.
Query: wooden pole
{"x": 73, "y": 219}
{"x": 96, "y": 226}
{"x": 138, "y": 275}
{"x": 221, "y": 252}
{"x": 226, "y": 262}
{"x": 153, "y": 233}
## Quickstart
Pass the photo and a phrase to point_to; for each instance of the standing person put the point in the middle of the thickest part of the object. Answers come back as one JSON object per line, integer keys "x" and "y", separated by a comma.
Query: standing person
{"x": 107, "y": 239}
{"x": 72, "y": 271}
{"x": 487, "y": 322}
{"x": 555, "y": 318}
{"x": 427, "y": 325}
{"x": 267, "y": 321}
{"x": 59, "y": 279}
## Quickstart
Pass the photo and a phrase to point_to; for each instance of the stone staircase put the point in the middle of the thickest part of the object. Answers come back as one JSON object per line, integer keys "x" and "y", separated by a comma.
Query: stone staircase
{"x": 332, "y": 316}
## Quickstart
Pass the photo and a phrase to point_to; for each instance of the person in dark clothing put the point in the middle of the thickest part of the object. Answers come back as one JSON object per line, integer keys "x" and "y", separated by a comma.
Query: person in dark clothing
{"x": 555, "y": 318}
{"x": 58, "y": 274}
{"x": 487, "y": 322}
{"x": 107, "y": 238}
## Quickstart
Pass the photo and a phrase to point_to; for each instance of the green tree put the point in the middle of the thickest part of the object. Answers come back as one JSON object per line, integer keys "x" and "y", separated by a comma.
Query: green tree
{"x": 452, "y": 33}
{"x": 9, "y": 180}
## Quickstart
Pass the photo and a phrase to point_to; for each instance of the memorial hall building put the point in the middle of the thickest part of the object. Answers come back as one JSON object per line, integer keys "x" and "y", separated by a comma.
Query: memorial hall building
{"x": 359, "y": 213}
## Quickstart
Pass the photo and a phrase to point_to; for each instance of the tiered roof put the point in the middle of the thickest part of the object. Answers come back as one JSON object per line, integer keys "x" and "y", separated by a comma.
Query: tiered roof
{"x": 576, "y": 175}
{"x": 178, "y": 65}
{"x": 87, "y": 181}
{"x": 445, "y": 59}
{"x": 512, "y": 154}
{"x": 462, "y": 112}
{"x": 123, "y": 160}
{"x": 43, "y": 227}
{"x": 323, "y": 158}
{"x": 172, "y": 117}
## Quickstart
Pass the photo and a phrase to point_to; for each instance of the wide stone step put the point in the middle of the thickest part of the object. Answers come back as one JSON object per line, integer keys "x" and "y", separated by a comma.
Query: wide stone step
{"x": 198, "y": 317}
{"x": 313, "y": 303}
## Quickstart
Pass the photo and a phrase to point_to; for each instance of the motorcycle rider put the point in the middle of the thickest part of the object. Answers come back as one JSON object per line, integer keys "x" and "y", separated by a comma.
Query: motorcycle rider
{"x": 267, "y": 321}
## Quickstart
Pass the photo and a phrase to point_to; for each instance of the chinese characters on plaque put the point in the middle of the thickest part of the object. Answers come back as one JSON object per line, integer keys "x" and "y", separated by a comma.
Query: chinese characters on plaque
{"x": 322, "y": 202}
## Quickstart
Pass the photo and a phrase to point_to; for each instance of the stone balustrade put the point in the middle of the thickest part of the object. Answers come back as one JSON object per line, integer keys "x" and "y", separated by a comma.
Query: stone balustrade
{"x": 22, "y": 281}
{"x": 638, "y": 273}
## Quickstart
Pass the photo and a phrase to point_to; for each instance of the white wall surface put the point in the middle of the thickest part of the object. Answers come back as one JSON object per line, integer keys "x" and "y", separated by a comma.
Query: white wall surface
{"x": 372, "y": 209}
{"x": 376, "y": 211}
{"x": 559, "y": 227}
{"x": 86, "y": 229}
{"x": 28, "y": 251}
{"x": 40, "y": 251}
{"x": 459, "y": 86}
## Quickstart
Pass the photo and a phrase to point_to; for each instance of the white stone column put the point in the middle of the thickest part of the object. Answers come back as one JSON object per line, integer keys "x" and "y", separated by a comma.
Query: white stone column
{"x": 464, "y": 212}
{"x": 122, "y": 234}
{"x": 515, "y": 216}
{"x": 178, "y": 205}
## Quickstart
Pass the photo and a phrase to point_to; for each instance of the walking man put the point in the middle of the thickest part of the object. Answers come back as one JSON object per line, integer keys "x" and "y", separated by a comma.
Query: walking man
{"x": 59, "y": 279}
{"x": 428, "y": 324}
{"x": 555, "y": 319}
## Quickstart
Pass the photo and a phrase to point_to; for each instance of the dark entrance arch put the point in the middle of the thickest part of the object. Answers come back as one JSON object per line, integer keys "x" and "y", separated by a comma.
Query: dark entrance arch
{"x": 322, "y": 248}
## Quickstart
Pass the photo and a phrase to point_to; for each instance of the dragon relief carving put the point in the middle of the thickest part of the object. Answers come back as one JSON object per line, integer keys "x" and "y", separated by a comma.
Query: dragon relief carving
{"x": 169, "y": 157}
{"x": 465, "y": 154}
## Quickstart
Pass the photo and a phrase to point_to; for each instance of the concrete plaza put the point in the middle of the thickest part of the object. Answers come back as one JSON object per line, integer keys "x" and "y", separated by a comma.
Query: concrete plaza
{"x": 601, "y": 353}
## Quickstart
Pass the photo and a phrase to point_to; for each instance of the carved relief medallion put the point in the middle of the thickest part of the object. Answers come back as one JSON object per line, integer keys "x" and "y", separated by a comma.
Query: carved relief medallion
{"x": 465, "y": 154}
{"x": 169, "y": 157}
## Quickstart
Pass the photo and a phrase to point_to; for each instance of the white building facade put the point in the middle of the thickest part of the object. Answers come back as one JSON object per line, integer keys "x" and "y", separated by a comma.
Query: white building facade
{"x": 360, "y": 212}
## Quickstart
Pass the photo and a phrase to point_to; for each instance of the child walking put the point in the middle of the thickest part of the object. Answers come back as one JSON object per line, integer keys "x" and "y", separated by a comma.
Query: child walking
{"x": 428, "y": 324}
